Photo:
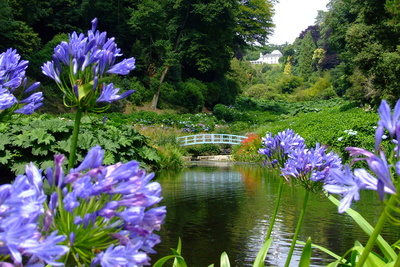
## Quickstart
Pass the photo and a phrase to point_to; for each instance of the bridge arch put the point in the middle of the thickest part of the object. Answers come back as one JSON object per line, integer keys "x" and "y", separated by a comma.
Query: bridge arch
{"x": 198, "y": 139}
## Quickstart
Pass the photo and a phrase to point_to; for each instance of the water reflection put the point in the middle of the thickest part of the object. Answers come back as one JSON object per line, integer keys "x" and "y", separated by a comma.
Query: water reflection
{"x": 215, "y": 209}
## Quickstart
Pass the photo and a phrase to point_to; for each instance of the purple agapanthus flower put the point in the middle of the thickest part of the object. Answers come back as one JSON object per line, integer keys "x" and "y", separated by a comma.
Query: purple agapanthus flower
{"x": 311, "y": 165}
{"x": 129, "y": 199}
{"x": 348, "y": 184}
{"x": 277, "y": 148}
{"x": 12, "y": 76}
{"x": 117, "y": 203}
{"x": 21, "y": 207}
{"x": 390, "y": 121}
{"x": 86, "y": 59}
{"x": 109, "y": 94}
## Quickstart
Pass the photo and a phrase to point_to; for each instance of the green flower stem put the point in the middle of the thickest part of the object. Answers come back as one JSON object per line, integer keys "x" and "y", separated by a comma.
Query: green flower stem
{"x": 377, "y": 230}
{"x": 74, "y": 140}
{"x": 277, "y": 203}
{"x": 298, "y": 227}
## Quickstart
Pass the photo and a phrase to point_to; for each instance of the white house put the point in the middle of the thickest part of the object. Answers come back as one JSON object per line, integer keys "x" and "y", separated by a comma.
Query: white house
{"x": 272, "y": 58}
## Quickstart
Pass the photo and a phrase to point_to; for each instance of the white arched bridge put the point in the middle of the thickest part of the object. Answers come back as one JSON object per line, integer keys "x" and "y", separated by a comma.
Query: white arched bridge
{"x": 197, "y": 139}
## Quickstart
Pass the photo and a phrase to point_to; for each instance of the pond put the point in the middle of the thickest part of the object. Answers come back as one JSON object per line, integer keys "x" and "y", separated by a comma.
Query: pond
{"x": 217, "y": 207}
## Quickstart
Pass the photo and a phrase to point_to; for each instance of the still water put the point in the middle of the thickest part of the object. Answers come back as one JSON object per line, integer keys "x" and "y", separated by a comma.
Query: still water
{"x": 219, "y": 207}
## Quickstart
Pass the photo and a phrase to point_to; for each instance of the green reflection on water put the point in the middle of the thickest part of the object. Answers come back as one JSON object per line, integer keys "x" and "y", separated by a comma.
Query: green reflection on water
{"x": 227, "y": 208}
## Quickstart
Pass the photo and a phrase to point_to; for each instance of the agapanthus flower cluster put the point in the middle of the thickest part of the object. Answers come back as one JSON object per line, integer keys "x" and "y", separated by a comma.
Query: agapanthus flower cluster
{"x": 95, "y": 215}
{"x": 382, "y": 175}
{"x": 277, "y": 148}
{"x": 13, "y": 90}
{"x": 23, "y": 236}
{"x": 311, "y": 166}
{"x": 79, "y": 67}
{"x": 107, "y": 211}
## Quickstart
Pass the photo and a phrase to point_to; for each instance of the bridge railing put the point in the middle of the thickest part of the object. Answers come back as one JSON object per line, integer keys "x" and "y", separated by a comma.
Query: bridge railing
{"x": 210, "y": 139}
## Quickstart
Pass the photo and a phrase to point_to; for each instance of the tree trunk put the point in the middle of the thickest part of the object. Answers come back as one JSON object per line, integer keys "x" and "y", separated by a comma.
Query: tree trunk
{"x": 154, "y": 103}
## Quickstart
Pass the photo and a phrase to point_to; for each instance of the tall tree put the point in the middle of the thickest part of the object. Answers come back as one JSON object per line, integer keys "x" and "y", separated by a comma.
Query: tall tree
{"x": 196, "y": 37}
{"x": 15, "y": 33}
{"x": 304, "y": 58}
{"x": 254, "y": 23}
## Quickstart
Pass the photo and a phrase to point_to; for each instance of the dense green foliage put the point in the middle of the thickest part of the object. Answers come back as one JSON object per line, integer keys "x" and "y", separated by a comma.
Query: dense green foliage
{"x": 38, "y": 139}
{"x": 193, "y": 54}
{"x": 173, "y": 42}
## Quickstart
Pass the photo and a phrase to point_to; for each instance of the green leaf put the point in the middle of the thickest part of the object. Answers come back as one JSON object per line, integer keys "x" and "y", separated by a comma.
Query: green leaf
{"x": 179, "y": 261}
{"x": 259, "y": 261}
{"x": 327, "y": 251}
{"x": 22, "y": 140}
{"x": 148, "y": 153}
{"x": 39, "y": 151}
{"x": 306, "y": 255}
{"x": 41, "y": 136}
{"x": 4, "y": 140}
{"x": 225, "y": 260}
{"x": 372, "y": 260}
{"x": 64, "y": 145}
{"x": 368, "y": 229}
{"x": 19, "y": 168}
{"x": 5, "y": 156}
{"x": 108, "y": 158}
{"x": 161, "y": 261}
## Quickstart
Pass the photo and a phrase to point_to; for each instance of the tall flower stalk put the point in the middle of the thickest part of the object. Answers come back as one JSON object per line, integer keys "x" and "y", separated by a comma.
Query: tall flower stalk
{"x": 310, "y": 168}
{"x": 81, "y": 68}
{"x": 276, "y": 150}
{"x": 298, "y": 164}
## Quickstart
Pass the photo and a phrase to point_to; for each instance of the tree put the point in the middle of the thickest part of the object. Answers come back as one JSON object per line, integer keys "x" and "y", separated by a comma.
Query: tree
{"x": 304, "y": 58}
{"x": 254, "y": 22}
{"x": 16, "y": 34}
{"x": 197, "y": 37}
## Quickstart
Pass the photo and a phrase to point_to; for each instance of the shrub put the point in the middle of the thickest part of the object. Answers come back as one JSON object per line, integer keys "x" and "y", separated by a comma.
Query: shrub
{"x": 289, "y": 83}
{"x": 171, "y": 157}
{"x": 247, "y": 151}
{"x": 44, "y": 136}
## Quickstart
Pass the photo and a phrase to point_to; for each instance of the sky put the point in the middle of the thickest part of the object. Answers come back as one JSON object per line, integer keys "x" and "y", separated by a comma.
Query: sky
{"x": 292, "y": 17}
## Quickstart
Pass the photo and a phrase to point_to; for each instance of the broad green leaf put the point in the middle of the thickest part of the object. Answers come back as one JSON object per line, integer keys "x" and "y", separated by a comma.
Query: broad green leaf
{"x": 306, "y": 255}
{"x": 19, "y": 168}
{"x": 22, "y": 140}
{"x": 108, "y": 158}
{"x": 41, "y": 136}
{"x": 225, "y": 260}
{"x": 5, "y": 156}
{"x": 161, "y": 261}
{"x": 64, "y": 145}
{"x": 148, "y": 153}
{"x": 39, "y": 151}
{"x": 4, "y": 140}
{"x": 259, "y": 261}
{"x": 372, "y": 260}
{"x": 179, "y": 261}
{"x": 327, "y": 251}
{"x": 368, "y": 229}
